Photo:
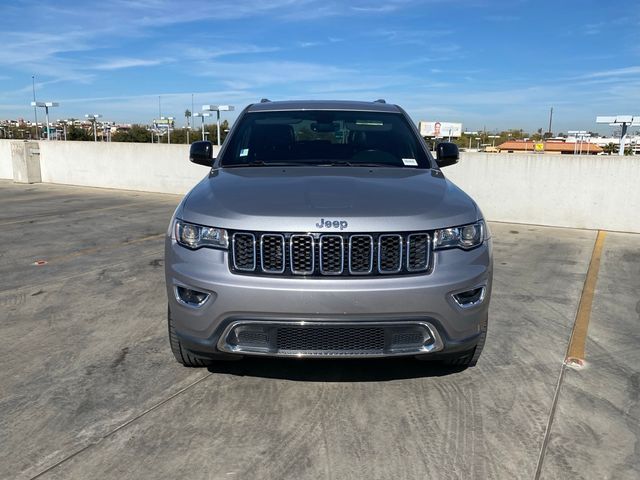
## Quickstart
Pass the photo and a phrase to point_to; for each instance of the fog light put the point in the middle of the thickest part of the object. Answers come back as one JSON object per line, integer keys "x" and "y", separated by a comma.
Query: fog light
{"x": 470, "y": 298}
{"x": 192, "y": 298}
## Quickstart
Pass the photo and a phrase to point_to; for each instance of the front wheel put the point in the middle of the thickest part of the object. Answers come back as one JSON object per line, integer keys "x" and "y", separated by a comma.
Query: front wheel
{"x": 470, "y": 357}
{"x": 184, "y": 356}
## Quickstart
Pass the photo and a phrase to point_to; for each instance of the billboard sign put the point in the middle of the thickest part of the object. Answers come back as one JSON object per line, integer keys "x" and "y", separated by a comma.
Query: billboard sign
{"x": 440, "y": 129}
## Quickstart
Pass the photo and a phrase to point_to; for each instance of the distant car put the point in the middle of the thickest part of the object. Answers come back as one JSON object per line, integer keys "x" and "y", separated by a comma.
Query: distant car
{"x": 327, "y": 229}
{"x": 490, "y": 150}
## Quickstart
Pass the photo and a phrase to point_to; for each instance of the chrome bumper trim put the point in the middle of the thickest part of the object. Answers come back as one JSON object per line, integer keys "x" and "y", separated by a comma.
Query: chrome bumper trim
{"x": 434, "y": 346}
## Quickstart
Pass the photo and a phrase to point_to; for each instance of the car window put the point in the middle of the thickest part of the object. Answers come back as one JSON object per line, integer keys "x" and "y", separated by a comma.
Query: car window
{"x": 325, "y": 138}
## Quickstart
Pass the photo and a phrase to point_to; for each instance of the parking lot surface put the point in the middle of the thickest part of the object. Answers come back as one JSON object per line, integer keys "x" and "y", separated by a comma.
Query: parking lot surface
{"x": 89, "y": 388}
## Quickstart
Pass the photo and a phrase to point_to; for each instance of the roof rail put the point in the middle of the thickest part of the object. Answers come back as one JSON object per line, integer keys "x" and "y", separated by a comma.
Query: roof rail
{"x": 264, "y": 100}
{"x": 380, "y": 100}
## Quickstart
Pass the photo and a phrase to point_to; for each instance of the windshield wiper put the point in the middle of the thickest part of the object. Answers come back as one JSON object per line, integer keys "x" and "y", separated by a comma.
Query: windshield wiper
{"x": 344, "y": 163}
{"x": 262, "y": 163}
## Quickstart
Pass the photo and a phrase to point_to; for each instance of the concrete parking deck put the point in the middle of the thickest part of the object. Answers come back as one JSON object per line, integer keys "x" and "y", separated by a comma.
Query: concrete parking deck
{"x": 89, "y": 388}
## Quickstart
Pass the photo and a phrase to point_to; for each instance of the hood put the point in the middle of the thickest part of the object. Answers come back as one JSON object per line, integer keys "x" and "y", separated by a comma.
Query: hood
{"x": 320, "y": 199}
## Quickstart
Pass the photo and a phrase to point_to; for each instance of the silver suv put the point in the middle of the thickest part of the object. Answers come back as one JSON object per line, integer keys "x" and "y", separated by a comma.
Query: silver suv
{"x": 327, "y": 229}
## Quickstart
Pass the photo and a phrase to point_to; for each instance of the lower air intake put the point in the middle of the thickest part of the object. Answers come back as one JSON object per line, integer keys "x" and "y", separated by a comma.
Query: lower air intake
{"x": 346, "y": 340}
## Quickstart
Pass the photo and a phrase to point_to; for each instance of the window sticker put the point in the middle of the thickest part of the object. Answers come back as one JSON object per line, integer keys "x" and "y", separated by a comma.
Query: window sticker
{"x": 244, "y": 152}
{"x": 410, "y": 162}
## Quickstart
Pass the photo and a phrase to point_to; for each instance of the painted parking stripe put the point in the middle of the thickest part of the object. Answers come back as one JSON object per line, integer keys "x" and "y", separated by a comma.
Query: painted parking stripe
{"x": 576, "y": 350}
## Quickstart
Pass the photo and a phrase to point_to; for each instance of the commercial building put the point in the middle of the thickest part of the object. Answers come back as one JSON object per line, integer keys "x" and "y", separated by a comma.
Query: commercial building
{"x": 550, "y": 147}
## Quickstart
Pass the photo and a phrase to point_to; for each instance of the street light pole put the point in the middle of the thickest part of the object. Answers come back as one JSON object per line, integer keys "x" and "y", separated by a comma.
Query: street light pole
{"x": 46, "y": 106}
{"x": 202, "y": 115}
{"x": 93, "y": 119}
{"x": 470, "y": 134}
{"x": 35, "y": 110}
{"x": 218, "y": 109}
{"x": 169, "y": 121}
{"x": 64, "y": 128}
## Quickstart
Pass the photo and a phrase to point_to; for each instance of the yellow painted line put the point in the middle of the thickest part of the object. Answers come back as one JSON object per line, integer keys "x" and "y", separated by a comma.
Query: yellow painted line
{"x": 102, "y": 248}
{"x": 575, "y": 351}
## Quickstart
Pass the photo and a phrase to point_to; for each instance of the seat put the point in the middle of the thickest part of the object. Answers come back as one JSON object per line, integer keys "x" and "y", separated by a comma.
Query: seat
{"x": 271, "y": 142}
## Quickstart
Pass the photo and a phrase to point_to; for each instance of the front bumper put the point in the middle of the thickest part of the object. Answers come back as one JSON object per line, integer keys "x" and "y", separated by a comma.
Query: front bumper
{"x": 389, "y": 303}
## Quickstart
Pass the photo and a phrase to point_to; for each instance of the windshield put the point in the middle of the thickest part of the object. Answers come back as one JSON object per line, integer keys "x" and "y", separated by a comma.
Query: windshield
{"x": 337, "y": 138}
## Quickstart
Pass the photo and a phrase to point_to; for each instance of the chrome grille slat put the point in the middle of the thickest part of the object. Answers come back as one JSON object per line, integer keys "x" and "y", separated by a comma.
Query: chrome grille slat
{"x": 272, "y": 252}
{"x": 330, "y": 254}
{"x": 244, "y": 251}
{"x": 390, "y": 253}
{"x": 302, "y": 254}
{"x": 418, "y": 252}
{"x": 360, "y": 254}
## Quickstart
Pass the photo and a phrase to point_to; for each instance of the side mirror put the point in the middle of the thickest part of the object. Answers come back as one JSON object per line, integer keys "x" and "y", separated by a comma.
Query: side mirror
{"x": 447, "y": 153}
{"x": 201, "y": 153}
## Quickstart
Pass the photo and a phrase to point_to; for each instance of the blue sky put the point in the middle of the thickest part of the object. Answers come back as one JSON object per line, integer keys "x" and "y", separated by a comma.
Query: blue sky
{"x": 499, "y": 64}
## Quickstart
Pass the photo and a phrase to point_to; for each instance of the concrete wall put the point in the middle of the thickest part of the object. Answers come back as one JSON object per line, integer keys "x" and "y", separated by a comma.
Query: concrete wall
{"x": 594, "y": 192}
{"x": 131, "y": 166}
{"x": 6, "y": 167}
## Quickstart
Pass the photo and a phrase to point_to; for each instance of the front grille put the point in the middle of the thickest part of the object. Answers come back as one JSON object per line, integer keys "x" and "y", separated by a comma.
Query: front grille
{"x": 331, "y": 255}
{"x": 335, "y": 254}
{"x": 272, "y": 253}
{"x": 417, "y": 252}
{"x": 331, "y": 340}
{"x": 302, "y": 254}
{"x": 360, "y": 254}
{"x": 244, "y": 252}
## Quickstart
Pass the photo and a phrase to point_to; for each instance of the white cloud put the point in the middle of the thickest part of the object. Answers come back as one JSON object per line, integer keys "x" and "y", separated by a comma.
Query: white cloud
{"x": 634, "y": 70}
{"x": 119, "y": 63}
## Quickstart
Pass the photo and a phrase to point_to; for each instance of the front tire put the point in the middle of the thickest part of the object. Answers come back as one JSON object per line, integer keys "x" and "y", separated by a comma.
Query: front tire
{"x": 183, "y": 356}
{"x": 470, "y": 357}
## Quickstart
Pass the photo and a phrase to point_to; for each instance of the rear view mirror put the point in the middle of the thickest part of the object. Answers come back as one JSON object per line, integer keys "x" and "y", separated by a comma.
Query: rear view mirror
{"x": 447, "y": 154}
{"x": 325, "y": 127}
{"x": 201, "y": 153}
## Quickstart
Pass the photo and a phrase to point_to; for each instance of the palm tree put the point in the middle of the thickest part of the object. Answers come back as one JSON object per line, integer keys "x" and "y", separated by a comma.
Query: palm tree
{"x": 610, "y": 148}
{"x": 187, "y": 115}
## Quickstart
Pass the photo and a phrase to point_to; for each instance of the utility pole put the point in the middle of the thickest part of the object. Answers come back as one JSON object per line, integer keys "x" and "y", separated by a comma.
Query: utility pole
{"x": 35, "y": 109}
{"x": 550, "y": 120}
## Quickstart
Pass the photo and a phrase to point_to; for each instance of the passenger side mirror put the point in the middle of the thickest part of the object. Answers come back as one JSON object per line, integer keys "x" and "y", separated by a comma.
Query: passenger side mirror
{"x": 447, "y": 153}
{"x": 202, "y": 153}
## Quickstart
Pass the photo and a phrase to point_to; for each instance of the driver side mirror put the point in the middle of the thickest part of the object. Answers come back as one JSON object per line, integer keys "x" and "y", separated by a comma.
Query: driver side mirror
{"x": 447, "y": 153}
{"x": 202, "y": 153}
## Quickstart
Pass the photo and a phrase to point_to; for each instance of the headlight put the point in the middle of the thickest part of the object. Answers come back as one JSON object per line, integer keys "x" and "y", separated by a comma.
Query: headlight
{"x": 196, "y": 236}
{"x": 466, "y": 236}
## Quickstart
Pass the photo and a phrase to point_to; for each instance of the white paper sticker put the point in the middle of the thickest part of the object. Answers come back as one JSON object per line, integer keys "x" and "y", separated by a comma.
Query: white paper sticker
{"x": 410, "y": 162}
{"x": 244, "y": 152}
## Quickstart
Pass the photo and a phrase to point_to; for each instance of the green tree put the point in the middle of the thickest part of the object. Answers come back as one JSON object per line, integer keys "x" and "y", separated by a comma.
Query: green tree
{"x": 78, "y": 133}
{"x": 213, "y": 131}
{"x": 137, "y": 133}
